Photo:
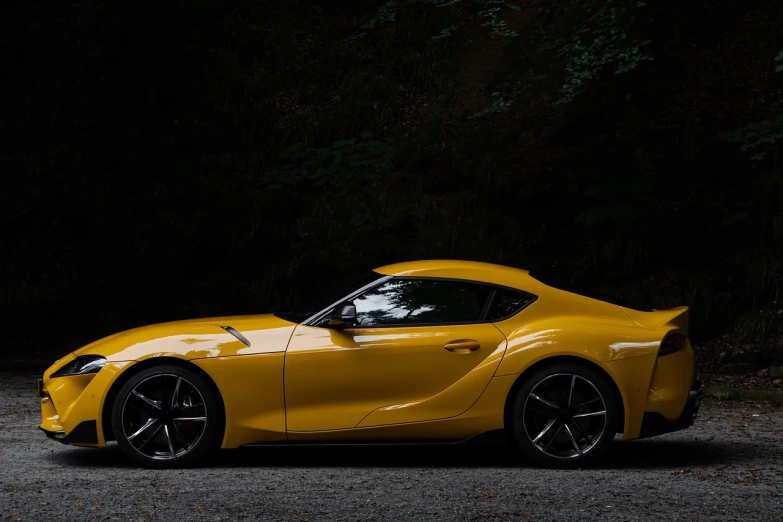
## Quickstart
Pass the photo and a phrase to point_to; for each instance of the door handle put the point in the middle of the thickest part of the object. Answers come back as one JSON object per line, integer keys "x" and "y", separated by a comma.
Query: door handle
{"x": 462, "y": 346}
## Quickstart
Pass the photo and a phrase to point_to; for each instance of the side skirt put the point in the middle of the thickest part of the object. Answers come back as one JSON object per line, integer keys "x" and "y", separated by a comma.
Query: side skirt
{"x": 492, "y": 438}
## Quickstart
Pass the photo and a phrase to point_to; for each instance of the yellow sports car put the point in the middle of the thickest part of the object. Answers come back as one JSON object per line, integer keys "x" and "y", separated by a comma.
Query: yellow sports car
{"x": 425, "y": 351}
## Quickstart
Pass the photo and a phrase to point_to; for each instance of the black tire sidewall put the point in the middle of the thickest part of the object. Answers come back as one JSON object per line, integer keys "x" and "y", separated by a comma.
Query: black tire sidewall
{"x": 209, "y": 442}
{"x": 526, "y": 445}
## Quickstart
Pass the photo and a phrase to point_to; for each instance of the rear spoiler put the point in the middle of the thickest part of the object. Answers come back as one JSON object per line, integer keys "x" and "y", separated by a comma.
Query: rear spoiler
{"x": 673, "y": 318}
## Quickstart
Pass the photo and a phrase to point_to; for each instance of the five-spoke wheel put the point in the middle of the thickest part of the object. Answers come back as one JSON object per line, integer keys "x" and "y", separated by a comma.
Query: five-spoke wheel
{"x": 166, "y": 417}
{"x": 564, "y": 415}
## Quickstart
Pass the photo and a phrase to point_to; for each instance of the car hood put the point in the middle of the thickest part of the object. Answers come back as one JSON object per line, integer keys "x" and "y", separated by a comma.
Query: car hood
{"x": 196, "y": 339}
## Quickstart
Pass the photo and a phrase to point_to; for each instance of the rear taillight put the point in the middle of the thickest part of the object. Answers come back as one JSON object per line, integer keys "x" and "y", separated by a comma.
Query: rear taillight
{"x": 672, "y": 343}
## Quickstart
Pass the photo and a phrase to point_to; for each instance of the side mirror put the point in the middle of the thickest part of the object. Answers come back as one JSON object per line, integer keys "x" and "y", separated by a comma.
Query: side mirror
{"x": 343, "y": 314}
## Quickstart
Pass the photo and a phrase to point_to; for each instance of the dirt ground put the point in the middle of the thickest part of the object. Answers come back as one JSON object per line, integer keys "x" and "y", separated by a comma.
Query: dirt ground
{"x": 729, "y": 466}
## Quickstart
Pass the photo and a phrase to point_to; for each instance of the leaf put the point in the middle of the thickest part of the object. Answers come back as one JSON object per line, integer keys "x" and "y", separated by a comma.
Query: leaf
{"x": 344, "y": 143}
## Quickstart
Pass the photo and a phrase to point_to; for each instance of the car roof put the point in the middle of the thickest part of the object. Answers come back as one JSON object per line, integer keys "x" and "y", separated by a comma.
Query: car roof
{"x": 469, "y": 270}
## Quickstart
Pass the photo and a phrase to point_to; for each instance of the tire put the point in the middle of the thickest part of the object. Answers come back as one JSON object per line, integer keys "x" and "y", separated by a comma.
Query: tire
{"x": 548, "y": 432}
{"x": 167, "y": 417}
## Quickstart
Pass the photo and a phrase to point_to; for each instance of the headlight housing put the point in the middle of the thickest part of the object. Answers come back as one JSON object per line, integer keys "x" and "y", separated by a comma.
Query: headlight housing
{"x": 81, "y": 366}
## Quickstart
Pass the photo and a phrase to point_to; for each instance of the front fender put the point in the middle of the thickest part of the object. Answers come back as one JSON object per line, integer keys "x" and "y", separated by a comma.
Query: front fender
{"x": 252, "y": 390}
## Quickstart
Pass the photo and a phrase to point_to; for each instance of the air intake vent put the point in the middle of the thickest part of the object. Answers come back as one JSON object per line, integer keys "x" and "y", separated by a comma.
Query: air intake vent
{"x": 232, "y": 331}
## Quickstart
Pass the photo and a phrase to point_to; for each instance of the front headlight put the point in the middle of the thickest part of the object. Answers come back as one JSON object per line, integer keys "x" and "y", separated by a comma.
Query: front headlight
{"x": 81, "y": 366}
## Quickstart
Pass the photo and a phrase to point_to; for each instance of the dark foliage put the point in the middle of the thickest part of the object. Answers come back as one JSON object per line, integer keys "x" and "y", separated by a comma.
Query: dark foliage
{"x": 165, "y": 160}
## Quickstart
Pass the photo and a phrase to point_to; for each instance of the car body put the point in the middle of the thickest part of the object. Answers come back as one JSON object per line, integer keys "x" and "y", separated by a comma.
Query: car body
{"x": 427, "y": 351}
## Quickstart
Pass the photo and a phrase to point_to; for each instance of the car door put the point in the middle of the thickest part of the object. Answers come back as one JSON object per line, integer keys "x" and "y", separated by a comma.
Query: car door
{"x": 420, "y": 351}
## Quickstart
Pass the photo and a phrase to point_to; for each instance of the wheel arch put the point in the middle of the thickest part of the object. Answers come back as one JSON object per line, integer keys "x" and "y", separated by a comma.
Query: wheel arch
{"x": 559, "y": 359}
{"x": 134, "y": 369}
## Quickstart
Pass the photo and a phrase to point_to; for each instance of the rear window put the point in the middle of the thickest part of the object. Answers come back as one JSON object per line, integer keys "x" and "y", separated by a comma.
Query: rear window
{"x": 507, "y": 302}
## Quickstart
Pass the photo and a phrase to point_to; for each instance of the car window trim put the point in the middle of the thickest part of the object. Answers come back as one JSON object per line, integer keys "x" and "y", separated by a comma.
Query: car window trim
{"x": 483, "y": 320}
{"x": 313, "y": 320}
{"x": 488, "y": 304}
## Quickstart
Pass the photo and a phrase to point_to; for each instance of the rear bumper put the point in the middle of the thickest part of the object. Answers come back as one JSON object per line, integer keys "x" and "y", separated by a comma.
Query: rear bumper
{"x": 655, "y": 423}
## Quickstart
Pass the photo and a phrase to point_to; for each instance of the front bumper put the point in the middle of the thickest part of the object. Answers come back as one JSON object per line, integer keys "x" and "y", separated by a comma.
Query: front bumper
{"x": 72, "y": 407}
{"x": 655, "y": 423}
{"x": 85, "y": 432}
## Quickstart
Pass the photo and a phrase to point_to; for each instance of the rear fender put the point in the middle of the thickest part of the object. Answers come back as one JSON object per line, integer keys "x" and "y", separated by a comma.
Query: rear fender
{"x": 625, "y": 350}
{"x": 595, "y": 339}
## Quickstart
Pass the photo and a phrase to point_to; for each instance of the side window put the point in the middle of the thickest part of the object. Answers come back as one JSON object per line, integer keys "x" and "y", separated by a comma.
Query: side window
{"x": 421, "y": 301}
{"x": 507, "y": 303}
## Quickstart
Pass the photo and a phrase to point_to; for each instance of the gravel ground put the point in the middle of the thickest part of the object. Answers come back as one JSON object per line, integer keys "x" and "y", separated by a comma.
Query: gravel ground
{"x": 729, "y": 466}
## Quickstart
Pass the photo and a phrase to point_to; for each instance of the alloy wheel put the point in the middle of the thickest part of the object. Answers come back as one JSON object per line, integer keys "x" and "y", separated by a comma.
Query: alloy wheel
{"x": 564, "y": 416}
{"x": 164, "y": 417}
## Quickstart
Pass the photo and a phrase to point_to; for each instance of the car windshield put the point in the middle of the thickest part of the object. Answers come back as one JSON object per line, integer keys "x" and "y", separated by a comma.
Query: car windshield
{"x": 324, "y": 294}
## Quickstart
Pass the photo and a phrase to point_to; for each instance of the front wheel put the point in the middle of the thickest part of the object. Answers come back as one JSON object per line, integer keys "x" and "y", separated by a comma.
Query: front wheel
{"x": 564, "y": 416}
{"x": 166, "y": 417}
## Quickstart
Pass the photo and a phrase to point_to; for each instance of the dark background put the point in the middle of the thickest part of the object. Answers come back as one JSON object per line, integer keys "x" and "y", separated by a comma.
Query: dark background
{"x": 165, "y": 160}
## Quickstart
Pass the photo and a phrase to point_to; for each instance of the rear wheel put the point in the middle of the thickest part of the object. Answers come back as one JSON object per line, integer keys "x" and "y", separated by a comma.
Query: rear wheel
{"x": 166, "y": 417}
{"x": 564, "y": 416}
